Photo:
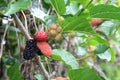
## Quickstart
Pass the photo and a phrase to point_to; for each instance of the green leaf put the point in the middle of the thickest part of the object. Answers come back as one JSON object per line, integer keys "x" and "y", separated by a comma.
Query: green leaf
{"x": 14, "y": 73}
{"x": 84, "y": 74}
{"x": 47, "y": 1}
{"x": 105, "y": 55}
{"x": 45, "y": 5}
{"x": 2, "y": 5}
{"x": 81, "y": 51}
{"x": 113, "y": 54}
{"x": 92, "y": 41}
{"x": 76, "y": 24}
{"x": 17, "y": 6}
{"x": 96, "y": 39}
{"x": 101, "y": 48}
{"x": 83, "y": 2}
{"x": 65, "y": 57}
{"x": 9, "y": 60}
{"x": 67, "y": 2}
{"x": 105, "y": 11}
{"x": 73, "y": 8}
{"x": 108, "y": 27}
{"x": 13, "y": 28}
{"x": 36, "y": 11}
{"x": 100, "y": 39}
{"x": 39, "y": 77}
{"x": 59, "y": 6}
{"x": 50, "y": 20}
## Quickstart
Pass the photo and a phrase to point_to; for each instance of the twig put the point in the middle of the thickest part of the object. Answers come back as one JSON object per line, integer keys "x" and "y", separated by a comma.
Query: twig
{"x": 49, "y": 10}
{"x": 27, "y": 36}
{"x": 3, "y": 39}
{"x": 21, "y": 27}
{"x": 102, "y": 33}
{"x": 25, "y": 20}
{"x": 34, "y": 21}
{"x": 48, "y": 64}
{"x": 43, "y": 70}
{"x": 82, "y": 59}
{"x": 101, "y": 73}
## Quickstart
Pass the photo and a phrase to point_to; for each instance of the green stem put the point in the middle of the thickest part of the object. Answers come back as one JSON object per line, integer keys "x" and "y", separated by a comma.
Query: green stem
{"x": 54, "y": 7}
{"x": 79, "y": 12}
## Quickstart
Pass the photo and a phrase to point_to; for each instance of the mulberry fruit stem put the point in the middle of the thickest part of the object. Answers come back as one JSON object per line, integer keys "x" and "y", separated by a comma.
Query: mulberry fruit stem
{"x": 27, "y": 36}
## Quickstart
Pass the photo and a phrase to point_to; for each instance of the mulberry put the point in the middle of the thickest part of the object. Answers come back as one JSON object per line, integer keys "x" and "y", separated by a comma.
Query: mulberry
{"x": 30, "y": 49}
{"x": 39, "y": 51}
{"x": 45, "y": 48}
{"x": 40, "y": 36}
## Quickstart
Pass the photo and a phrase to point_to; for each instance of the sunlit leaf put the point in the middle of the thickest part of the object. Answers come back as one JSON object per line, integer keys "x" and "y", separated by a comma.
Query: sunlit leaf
{"x": 37, "y": 12}
{"x": 65, "y": 57}
{"x": 105, "y": 55}
{"x": 73, "y": 8}
{"x": 96, "y": 39}
{"x": 17, "y": 6}
{"x": 105, "y": 11}
{"x": 81, "y": 51}
{"x": 76, "y": 24}
{"x": 50, "y": 20}
{"x": 59, "y": 6}
{"x": 39, "y": 77}
{"x": 113, "y": 54}
{"x": 108, "y": 27}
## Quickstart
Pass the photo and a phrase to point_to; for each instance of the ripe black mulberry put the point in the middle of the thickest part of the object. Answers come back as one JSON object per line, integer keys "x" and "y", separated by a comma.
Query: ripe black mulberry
{"x": 31, "y": 50}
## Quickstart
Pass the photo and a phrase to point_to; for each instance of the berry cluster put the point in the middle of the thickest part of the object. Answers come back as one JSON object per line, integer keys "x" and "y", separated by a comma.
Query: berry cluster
{"x": 37, "y": 45}
{"x": 54, "y": 31}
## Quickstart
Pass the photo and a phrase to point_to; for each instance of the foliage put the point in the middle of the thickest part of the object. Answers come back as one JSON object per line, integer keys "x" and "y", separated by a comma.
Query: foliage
{"x": 17, "y": 6}
{"x": 66, "y": 57}
{"x": 16, "y": 74}
{"x": 81, "y": 47}
{"x": 105, "y": 11}
{"x": 82, "y": 74}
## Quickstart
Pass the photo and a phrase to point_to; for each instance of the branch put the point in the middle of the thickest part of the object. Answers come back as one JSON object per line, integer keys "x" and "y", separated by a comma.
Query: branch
{"x": 103, "y": 34}
{"x": 41, "y": 68}
{"x": 3, "y": 40}
{"x": 21, "y": 27}
{"x": 27, "y": 36}
{"x": 100, "y": 72}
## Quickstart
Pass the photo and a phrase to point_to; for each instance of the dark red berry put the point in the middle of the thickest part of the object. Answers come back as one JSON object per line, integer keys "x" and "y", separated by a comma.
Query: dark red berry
{"x": 40, "y": 36}
{"x": 22, "y": 47}
{"x": 95, "y": 21}
{"x": 45, "y": 48}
